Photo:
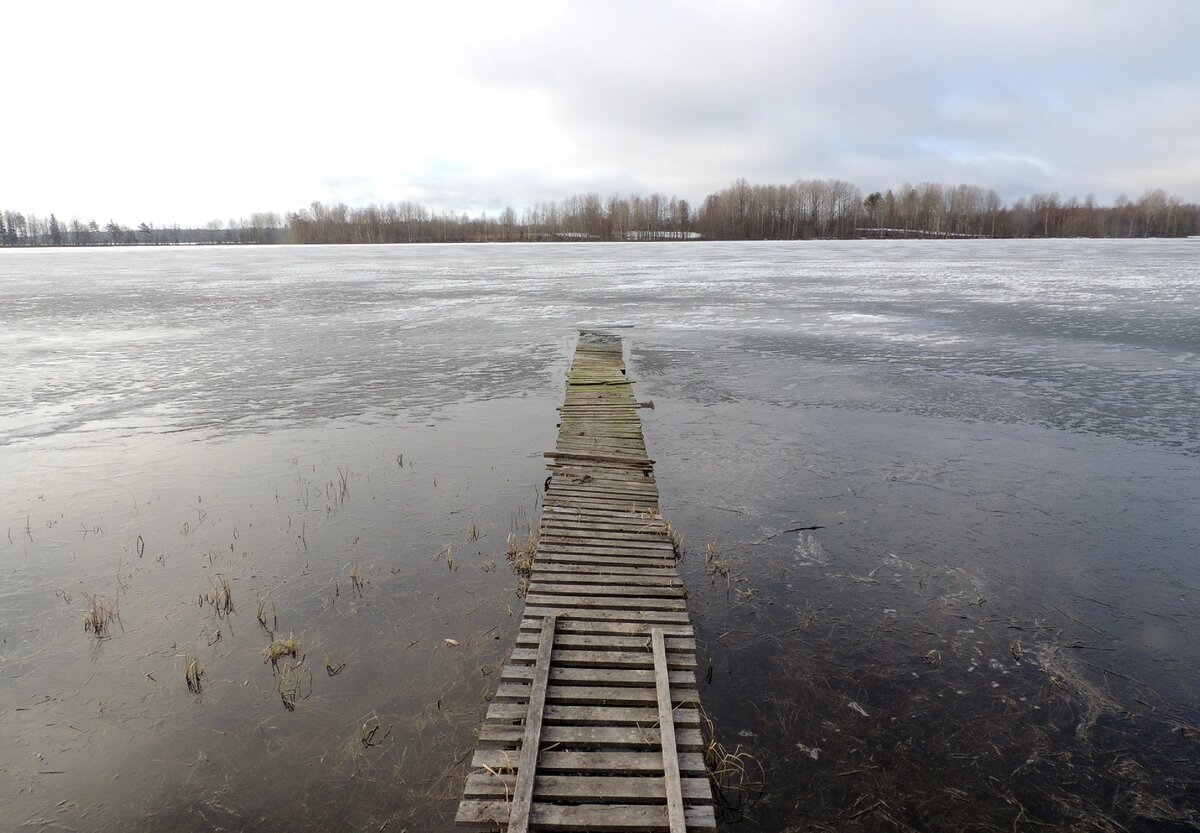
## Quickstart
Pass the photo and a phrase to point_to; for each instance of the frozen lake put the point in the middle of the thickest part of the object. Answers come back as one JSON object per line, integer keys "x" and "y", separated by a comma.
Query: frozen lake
{"x": 939, "y": 503}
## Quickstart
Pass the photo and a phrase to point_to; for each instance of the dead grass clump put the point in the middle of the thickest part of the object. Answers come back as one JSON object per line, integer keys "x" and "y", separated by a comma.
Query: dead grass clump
{"x": 262, "y": 616}
{"x": 295, "y": 683}
{"x": 714, "y": 562}
{"x": 343, "y": 485}
{"x": 1067, "y": 680}
{"x": 280, "y": 648}
{"x": 520, "y": 554}
{"x": 220, "y": 596}
{"x": 368, "y": 733}
{"x": 101, "y": 612}
{"x": 676, "y": 538}
{"x": 357, "y": 579}
{"x": 192, "y": 672}
{"x": 472, "y": 532}
{"x": 737, "y": 776}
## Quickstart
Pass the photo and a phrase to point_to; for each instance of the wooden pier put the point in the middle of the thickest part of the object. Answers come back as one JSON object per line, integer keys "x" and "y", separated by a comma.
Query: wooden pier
{"x": 594, "y": 724}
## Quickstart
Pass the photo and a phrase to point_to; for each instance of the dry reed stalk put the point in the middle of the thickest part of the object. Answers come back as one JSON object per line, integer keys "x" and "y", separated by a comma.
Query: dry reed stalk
{"x": 101, "y": 612}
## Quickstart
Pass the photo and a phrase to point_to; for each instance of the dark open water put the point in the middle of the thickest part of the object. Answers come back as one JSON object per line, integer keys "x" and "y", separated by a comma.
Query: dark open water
{"x": 994, "y": 624}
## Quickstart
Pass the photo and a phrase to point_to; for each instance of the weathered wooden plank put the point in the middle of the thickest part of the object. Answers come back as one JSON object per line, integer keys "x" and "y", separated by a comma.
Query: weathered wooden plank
{"x": 594, "y": 532}
{"x": 617, "y": 737}
{"x": 565, "y": 586}
{"x": 608, "y": 642}
{"x": 579, "y": 574}
{"x": 655, "y": 616}
{"x": 613, "y": 447}
{"x": 594, "y": 627}
{"x": 587, "y": 491}
{"x": 632, "y": 462}
{"x": 602, "y": 561}
{"x": 501, "y": 760}
{"x": 582, "y": 695}
{"x": 593, "y": 788}
{"x": 614, "y": 818}
{"x": 570, "y": 502}
{"x": 671, "y": 743}
{"x": 596, "y": 676}
{"x": 593, "y": 715}
{"x": 606, "y": 602}
{"x": 530, "y": 735}
{"x": 603, "y": 546}
{"x": 594, "y": 514}
{"x": 632, "y": 533}
{"x": 621, "y": 548}
{"x": 610, "y": 576}
{"x": 567, "y": 658}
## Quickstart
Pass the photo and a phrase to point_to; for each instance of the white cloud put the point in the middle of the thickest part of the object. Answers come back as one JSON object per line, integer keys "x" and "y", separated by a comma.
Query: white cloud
{"x": 165, "y": 112}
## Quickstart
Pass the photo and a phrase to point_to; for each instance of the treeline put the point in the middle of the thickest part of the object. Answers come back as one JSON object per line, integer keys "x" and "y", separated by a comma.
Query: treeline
{"x": 807, "y": 209}
{"x": 17, "y": 229}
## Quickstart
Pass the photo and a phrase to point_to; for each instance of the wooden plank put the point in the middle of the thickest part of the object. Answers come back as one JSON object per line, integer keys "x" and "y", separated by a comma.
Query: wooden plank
{"x": 600, "y": 574}
{"x": 571, "y": 502}
{"x": 595, "y": 695}
{"x": 596, "y": 676}
{"x": 621, "y": 548}
{"x": 606, "y": 602}
{"x": 566, "y": 586}
{"x": 617, "y": 737}
{"x": 603, "y": 560}
{"x": 625, "y": 628}
{"x": 593, "y": 715}
{"x": 604, "y": 538}
{"x": 633, "y": 462}
{"x": 632, "y": 533}
{"x": 568, "y": 658}
{"x": 531, "y": 733}
{"x": 670, "y": 744}
{"x": 601, "y": 493}
{"x": 614, "y": 818}
{"x": 609, "y": 788}
{"x": 632, "y": 526}
{"x": 655, "y": 616}
{"x": 595, "y": 514}
{"x": 675, "y": 644}
{"x": 581, "y": 574}
{"x": 608, "y": 761}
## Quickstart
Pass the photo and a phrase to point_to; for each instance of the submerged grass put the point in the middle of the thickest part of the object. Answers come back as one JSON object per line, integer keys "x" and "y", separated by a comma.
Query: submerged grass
{"x": 737, "y": 776}
{"x": 280, "y": 648}
{"x": 714, "y": 562}
{"x": 521, "y": 553}
{"x": 192, "y": 672}
{"x": 262, "y": 616}
{"x": 357, "y": 580}
{"x": 220, "y": 595}
{"x": 100, "y": 614}
{"x": 294, "y": 684}
{"x": 676, "y": 538}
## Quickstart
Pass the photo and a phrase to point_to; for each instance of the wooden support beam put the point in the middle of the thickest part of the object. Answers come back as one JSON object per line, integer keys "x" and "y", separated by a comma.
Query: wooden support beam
{"x": 518, "y": 820}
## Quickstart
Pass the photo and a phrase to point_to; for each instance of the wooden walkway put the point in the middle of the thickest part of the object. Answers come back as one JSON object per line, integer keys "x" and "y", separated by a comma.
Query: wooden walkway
{"x": 594, "y": 725}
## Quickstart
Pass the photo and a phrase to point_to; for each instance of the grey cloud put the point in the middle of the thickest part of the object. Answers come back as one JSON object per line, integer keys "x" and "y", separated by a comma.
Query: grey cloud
{"x": 1017, "y": 97}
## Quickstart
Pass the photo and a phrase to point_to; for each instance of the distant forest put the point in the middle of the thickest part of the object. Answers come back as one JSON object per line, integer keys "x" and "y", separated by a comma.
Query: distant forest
{"x": 804, "y": 210}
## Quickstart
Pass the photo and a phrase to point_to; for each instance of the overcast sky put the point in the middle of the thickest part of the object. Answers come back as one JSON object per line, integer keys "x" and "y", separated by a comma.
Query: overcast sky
{"x": 186, "y": 112}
